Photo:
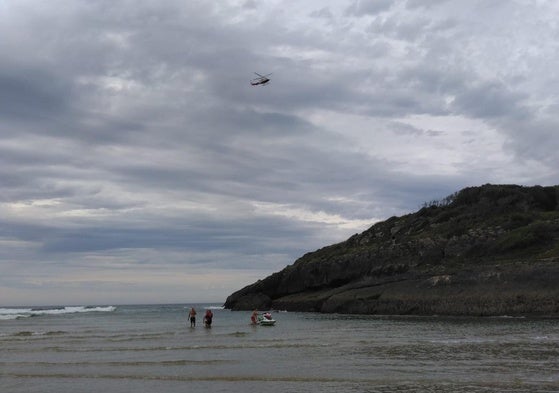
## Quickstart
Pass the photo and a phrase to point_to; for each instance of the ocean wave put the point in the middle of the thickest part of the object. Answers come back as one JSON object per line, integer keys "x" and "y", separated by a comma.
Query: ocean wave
{"x": 16, "y": 313}
{"x": 205, "y": 307}
{"x": 4, "y": 317}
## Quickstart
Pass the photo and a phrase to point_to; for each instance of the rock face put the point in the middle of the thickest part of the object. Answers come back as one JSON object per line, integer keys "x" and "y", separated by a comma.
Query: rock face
{"x": 488, "y": 250}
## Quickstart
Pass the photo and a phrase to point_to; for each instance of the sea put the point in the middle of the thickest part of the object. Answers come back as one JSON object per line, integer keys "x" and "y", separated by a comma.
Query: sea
{"x": 152, "y": 348}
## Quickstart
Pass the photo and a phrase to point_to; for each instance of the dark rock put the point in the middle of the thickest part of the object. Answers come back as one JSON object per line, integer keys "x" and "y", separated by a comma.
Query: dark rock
{"x": 489, "y": 250}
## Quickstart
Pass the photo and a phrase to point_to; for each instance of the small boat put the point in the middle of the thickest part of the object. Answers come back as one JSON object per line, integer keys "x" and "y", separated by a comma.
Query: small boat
{"x": 266, "y": 320}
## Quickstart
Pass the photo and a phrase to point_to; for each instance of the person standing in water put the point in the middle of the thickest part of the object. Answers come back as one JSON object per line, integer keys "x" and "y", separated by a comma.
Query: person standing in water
{"x": 208, "y": 318}
{"x": 254, "y": 317}
{"x": 192, "y": 317}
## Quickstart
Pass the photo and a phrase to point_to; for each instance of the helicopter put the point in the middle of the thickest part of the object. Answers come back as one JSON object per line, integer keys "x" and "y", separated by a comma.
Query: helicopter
{"x": 261, "y": 80}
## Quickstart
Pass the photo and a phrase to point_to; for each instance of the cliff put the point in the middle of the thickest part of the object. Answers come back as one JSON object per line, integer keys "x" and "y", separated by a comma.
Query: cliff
{"x": 488, "y": 250}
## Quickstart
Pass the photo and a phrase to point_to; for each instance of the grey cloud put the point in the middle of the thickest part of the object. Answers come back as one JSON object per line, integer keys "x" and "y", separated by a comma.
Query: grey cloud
{"x": 116, "y": 117}
{"x": 368, "y": 7}
{"x": 534, "y": 139}
{"x": 489, "y": 100}
{"x": 411, "y": 4}
{"x": 324, "y": 13}
{"x": 32, "y": 95}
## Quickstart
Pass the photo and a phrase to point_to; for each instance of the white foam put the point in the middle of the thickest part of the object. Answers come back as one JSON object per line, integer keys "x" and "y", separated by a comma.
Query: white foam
{"x": 10, "y": 311}
{"x": 14, "y": 313}
{"x": 12, "y": 316}
{"x": 214, "y": 308}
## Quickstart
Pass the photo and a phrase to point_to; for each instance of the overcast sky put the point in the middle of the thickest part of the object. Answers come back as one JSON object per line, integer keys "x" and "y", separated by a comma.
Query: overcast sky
{"x": 138, "y": 164}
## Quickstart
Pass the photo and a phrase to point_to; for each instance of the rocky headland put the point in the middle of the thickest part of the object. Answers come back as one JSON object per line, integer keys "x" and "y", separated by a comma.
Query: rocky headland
{"x": 488, "y": 250}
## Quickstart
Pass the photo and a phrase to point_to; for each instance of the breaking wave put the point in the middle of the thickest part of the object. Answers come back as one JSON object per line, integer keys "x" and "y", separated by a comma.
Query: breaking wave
{"x": 15, "y": 313}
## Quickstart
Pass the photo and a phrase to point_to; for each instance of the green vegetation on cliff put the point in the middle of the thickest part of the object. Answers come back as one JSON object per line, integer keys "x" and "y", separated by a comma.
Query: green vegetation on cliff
{"x": 488, "y": 250}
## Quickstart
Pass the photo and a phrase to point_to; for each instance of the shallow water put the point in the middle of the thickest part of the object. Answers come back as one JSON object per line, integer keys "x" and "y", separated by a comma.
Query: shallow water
{"x": 151, "y": 348}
